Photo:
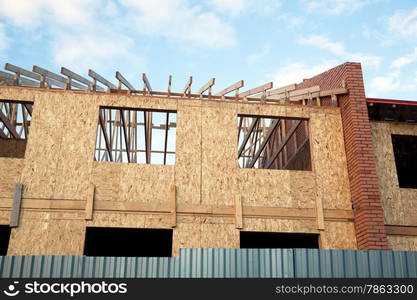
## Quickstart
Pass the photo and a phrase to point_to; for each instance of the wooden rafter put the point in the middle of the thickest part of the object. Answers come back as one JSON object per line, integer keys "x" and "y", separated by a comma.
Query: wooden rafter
{"x": 206, "y": 87}
{"x": 122, "y": 118}
{"x": 11, "y": 128}
{"x": 247, "y": 136}
{"x": 282, "y": 144}
{"x": 234, "y": 87}
{"x": 106, "y": 138}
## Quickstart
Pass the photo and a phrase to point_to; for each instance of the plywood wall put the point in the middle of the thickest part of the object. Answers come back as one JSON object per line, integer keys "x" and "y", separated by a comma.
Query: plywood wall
{"x": 400, "y": 205}
{"x": 59, "y": 166}
{"x": 402, "y": 243}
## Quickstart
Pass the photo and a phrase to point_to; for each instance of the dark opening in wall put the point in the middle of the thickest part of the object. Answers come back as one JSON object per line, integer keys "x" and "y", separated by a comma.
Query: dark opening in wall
{"x": 106, "y": 241}
{"x": 405, "y": 152}
{"x": 131, "y": 135}
{"x": 273, "y": 143}
{"x": 4, "y": 239}
{"x": 250, "y": 239}
{"x": 15, "y": 119}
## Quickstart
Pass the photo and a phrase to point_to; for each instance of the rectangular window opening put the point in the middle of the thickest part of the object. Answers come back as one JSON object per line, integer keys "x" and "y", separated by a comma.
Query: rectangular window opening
{"x": 4, "y": 239}
{"x": 15, "y": 119}
{"x": 132, "y": 242}
{"x": 140, "y": 136}
{"x": 249, "y": 239}
{"x": 405, "y": 153}
{"x": 273, "y": 143}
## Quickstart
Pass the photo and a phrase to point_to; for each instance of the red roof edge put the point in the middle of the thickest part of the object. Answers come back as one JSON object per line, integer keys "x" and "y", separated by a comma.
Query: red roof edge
{"x": 391, "y": 101}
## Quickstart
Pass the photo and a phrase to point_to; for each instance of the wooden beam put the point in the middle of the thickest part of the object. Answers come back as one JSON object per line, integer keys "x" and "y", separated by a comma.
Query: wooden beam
{"x": 206, "y": 87}
{"x": 281, "y": 90}
{"x": 271, "y": 130}
{"x": 10, "y": 80}
{"x": 101, "y": 79}
{"x": 257, "y": 90}
{"x": 55, "y": 79}
{"x": 282, "y": 144}
{"x": 319, "y": 213}
{"x": 231, "y": 88}
{"x": 9, "y": 126}
{"x": 21, "y": 71}
{"x": 166, "y": 138}
{"x": 238, "y": 213}
{"x": 146, "y": 84}
{"x": 123, "y": 81}
{"x": 74, "y": 76}
{"x": 89, "y": 206}
{"x": 401, "y": 230}
{"x": 169, "y": 84}
{"x": 147, "y": 132}
{"x": 17, "y": 200}
{"x": 173, "y": 205}
{"x": 122, "y": 118}
{"x": 106, "y": 138}
{"x": 28, "y": 107}
{"x": 246, "y": 138}
{"x": 187, "y": 87}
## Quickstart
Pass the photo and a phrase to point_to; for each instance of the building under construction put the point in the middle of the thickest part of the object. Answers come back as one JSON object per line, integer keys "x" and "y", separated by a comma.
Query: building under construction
{"x": 93, "y": 168}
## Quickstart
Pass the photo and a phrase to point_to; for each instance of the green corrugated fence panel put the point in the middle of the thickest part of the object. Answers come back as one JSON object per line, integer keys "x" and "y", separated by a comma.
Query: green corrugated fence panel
{"x": 219, "y": 263}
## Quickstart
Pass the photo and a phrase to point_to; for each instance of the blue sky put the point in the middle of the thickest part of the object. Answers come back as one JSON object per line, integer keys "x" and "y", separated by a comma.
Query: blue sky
{"x": 257, "y": 41}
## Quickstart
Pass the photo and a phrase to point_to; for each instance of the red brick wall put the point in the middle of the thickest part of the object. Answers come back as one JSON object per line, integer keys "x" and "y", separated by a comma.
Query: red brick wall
{"x": 366, "y": 200}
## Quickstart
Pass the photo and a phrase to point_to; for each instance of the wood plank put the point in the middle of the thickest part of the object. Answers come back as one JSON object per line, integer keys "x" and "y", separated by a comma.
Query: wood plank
{"x": 281, "y": 90}
{"x": 55, "y": 79}
{"x": 401, "y": 230}
{"x": 124, "y": 81}
{"x": 74, "y": 76}
{"x": 106, "y": 137}
{"x": 257, "y": 90}
{"x": 89, "y": 206}
{"x": 21, "y": 71}
{"x": 319, "y": 213}
{"x": 231, "y": 88}
{"x": 206, "y": 87}
{"x": 173, "y": 206}
{"x": 146, "y": 84}
{"x": 169, "y": 84}
{"x": 282, "y": 144}
{"x": 247, "y": 136}
{"x": 17, "y": 200}
{"x": 187, "y": 87}
{"x": 101, "y": 79}
{"x": 9, "y": 126}
{"x": 125, "y": 135}
{"x": 238, "y": 213}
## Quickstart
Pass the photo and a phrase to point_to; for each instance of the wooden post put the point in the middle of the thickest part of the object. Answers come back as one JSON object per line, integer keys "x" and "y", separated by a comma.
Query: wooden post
{"x": 319, "y": 213}
{"x": 238, "y": 213}
{"x": 89, "y": 206}
{"x": 173, "y": 205}
{"x": 17, "y": 200}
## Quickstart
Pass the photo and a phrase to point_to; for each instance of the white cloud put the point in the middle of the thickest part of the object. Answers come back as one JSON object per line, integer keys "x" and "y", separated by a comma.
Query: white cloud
{"x": 387, "y": 83}
{"x": 177, "y": 20}
{"x": 258, "y": 56}
{"x": 295, "y": 72}
{"x": 322, "y": 42}
{"x": 290, "y": 21}
{"x": 402, "y": 61}
{"x": 4, "y": 40}
{"x": 404, "y": 23}
{"x": 238, "y": 7}
{"x": 336, "y": 7}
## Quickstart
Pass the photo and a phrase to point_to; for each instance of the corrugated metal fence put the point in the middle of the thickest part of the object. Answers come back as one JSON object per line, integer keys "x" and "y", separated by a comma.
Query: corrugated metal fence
{"x": 219, "y": 263}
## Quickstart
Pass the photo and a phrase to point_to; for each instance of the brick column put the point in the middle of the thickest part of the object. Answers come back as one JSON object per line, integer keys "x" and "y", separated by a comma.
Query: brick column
{"x": 366, "y": 199}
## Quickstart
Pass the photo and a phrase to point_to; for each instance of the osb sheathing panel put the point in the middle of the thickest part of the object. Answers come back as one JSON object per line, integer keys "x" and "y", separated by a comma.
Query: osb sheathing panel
{"x": 188, "y": 154}
{"x": 10, "y": 170}
{"x": 60, "y": 165}
{"x": 4, "y": 217}
{"x": 200, "y": 232}
{"x": 400, "y": 205}
{"x": 338, "y": 235}
{"x": 402, "y": 243}
{"x": 47, "y": 233}
{"x": 329, "y": 161}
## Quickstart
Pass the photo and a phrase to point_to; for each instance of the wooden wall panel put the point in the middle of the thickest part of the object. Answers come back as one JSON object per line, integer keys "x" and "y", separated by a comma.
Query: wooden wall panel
{"x": 329, "y": 161}
{"x": 48, "y": 233}
{"x": 338, "y": 235}
{"x": 188, "y": 154}
{"x": 402, "y": 243}
{"x": 10, "y": 170}
{"x": 400, "y": 205}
